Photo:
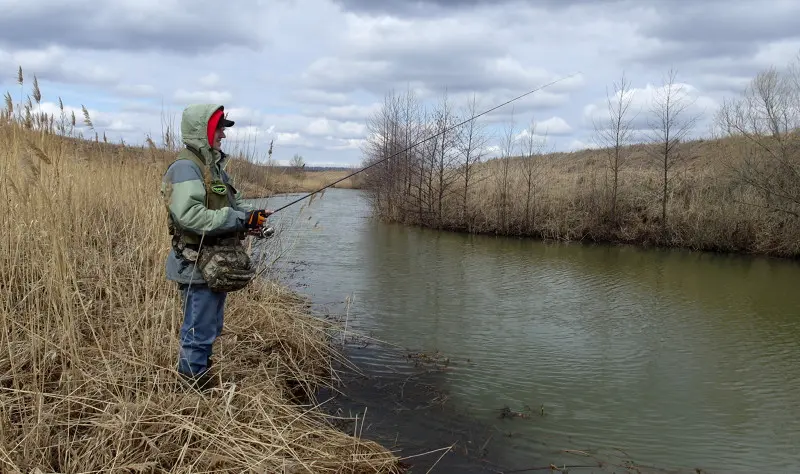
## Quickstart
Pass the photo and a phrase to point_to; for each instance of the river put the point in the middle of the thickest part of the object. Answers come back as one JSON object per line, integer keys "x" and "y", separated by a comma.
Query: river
{"x": 683, "y": 360}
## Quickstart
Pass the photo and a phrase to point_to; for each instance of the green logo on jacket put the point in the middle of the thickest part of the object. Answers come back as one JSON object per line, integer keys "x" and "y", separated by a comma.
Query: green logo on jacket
{"x": 219, "y": 188}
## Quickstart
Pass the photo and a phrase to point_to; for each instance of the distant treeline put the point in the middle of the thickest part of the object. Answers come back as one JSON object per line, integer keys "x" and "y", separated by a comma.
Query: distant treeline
{"x": 316, "y": 168}
{"x": 738, "y": 190}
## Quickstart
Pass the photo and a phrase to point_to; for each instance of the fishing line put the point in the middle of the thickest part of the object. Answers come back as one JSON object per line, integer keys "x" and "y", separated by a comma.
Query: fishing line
{"x": 267, "y": 232}
{"x": 423, "y": 141}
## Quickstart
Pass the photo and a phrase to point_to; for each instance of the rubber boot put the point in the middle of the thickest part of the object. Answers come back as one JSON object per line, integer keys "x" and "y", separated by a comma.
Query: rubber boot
{"x": 200, "y": 382}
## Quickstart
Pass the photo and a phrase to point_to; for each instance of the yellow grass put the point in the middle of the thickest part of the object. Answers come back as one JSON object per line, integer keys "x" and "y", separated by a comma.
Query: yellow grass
{"x": 258, "y": 180}
{"x": 89, "y": 335}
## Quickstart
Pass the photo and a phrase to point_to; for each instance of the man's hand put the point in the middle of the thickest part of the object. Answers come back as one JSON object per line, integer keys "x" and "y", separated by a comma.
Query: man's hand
{"x": 256, "y": 219}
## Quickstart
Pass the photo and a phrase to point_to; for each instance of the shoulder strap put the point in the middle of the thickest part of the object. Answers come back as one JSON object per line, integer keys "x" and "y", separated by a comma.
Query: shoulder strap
{"x": 191, "y": 155}
{"x": 188, "y": 154}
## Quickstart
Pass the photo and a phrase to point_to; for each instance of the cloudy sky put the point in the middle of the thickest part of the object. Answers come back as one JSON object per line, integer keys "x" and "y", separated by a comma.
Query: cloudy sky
{"x": 308, "y": 73}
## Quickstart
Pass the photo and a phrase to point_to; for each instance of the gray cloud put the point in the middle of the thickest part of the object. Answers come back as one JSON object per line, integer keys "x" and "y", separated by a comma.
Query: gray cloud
{"x": 459, "y": 55}
{"x": 727, "y": 22}
{"x": 137, "y": 90}
{"x": 684, "y": 52}
{"x": 724, "y": 84}
{"x": 457, "y": 73}
{"x": 54, "y": 64}
{"x": 319, "y": 96}
{"x": 128, "y": 25}
{"x": 692, "y": 33}
{"x": 411, "y": 7}
{"x": 352, "y": 112}
{"x": 327, "y": 64}
{"x": 427, "y": 8}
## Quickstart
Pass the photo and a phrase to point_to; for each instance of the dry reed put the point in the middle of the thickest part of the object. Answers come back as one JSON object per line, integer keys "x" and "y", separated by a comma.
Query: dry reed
{"x": 707, "y": 208}
{"x": 738, "y": 192}
{"x": 89, "y": 335}
{"x": 263, "y": 181}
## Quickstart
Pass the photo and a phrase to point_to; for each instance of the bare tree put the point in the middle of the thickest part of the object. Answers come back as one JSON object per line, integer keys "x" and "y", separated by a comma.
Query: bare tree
{"x": 767, "y": 116}
{"x": 297, "y": 163}
{"x": 385, "y": 181}
{"x": 472, "y": 141}
{"x": 376, "y": 181}
{"x": 412, "y": 131}
{"x": 388, "y": 145}
{"x": 670, "y": 123}
{"x": 531, "y": 161}
{"x": 445, "y": 172}
{"x": 507, "y": 150}
{"x": 430, "y": 159}
{"x": 614, "y": 133}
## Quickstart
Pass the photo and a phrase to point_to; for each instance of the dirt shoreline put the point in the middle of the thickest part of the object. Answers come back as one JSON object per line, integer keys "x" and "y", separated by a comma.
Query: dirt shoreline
{"x": 408, "y": 414}
{"x": 405, "y": 408}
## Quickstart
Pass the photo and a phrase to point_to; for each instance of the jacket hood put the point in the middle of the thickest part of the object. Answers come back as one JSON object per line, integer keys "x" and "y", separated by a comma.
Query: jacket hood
{"x": 194, "y": 126}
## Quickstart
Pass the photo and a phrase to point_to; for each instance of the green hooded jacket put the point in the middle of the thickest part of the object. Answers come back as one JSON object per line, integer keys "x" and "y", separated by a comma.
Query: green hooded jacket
{"x": 184, "y": 192}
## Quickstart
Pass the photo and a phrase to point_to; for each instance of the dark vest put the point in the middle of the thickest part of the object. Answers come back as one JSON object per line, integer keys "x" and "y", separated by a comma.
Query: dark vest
{"x": 219, "y": 194}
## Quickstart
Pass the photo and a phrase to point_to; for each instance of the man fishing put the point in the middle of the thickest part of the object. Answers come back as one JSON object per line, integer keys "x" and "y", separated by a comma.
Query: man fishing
{"x": 207, "y": 220}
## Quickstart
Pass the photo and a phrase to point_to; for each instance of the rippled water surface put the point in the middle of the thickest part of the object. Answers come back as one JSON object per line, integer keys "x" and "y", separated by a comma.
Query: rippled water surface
{"x": 683, "y": 360}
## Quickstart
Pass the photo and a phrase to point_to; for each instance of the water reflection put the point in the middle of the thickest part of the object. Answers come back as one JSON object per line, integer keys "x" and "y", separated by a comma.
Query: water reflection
{"x": 683, "y": 360}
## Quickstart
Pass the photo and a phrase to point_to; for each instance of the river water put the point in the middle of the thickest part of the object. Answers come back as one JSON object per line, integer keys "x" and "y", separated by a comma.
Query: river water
{"x": 682, "y": 360}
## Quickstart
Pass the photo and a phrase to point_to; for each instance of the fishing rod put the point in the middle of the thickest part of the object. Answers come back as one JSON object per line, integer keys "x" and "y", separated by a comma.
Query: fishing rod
{"x": 423, "y": 141}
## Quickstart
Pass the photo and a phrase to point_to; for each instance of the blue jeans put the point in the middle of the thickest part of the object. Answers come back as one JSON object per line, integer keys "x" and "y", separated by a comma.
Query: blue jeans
{"x": 202, "y": 324}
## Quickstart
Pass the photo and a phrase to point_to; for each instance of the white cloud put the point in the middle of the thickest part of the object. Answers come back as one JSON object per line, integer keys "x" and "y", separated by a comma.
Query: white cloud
{"x": 353, "y": 112}
{"x": 247, "y": 134}
{"x": 577, "y": 145}
{"x": 129, "y": 125}
{"x": 347, "y": 144}
{"x": 209, "y": 80}
{"x": 320, "y": 126}
{"x": 291, "y": 138}
{"x": 310, "y": 73}
{"x": 317, "y": 96}
{"x": 137, "y": 90}
{"x": 245, "y": 116}
{"x": 219, "y": 97}
{"x": 553, "y": 126}
{"x": 642, "y": 100}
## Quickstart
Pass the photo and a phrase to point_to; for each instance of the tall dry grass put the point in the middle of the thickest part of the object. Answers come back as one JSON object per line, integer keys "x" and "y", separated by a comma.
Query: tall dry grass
{"x": 738, "y": 191}
{"x": 257, "y": 180}
{"x": 708, "y": 208}
{"x": 89, "y": 334}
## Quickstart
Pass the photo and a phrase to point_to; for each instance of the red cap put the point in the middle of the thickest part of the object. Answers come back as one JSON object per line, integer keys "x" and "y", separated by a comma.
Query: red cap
{"x": 212, "y": 126}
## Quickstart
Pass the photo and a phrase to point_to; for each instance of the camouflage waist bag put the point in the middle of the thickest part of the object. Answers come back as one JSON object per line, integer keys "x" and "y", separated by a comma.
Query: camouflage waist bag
{"x": 225, "y": 266}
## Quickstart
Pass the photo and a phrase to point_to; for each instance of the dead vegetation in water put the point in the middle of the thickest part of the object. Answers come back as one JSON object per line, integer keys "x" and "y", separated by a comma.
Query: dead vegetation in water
{"x": 507, "y": 413}
{"x": 435, "y": 359}
{"x": 90, "y": 333}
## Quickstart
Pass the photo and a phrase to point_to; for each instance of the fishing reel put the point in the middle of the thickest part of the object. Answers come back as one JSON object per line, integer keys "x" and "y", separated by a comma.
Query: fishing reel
{"x": 263, "y": 233}
{"x": 266, "y": 232}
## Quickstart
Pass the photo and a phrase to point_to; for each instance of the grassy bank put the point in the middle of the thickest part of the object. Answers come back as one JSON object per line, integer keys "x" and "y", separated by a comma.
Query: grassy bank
{"x": 89, "y": 333}
{"x": 737, "y": 191}
{"x": 569, "y": 199}
{"x": 258, "y": 180}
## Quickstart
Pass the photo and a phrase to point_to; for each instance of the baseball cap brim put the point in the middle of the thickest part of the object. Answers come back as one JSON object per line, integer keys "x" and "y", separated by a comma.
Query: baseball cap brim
{"x": 223, "y": 122}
